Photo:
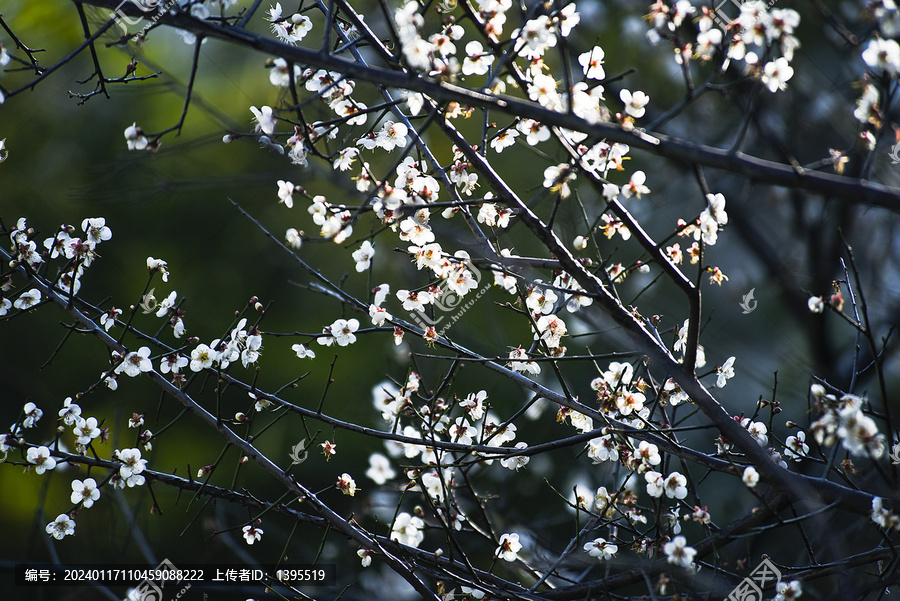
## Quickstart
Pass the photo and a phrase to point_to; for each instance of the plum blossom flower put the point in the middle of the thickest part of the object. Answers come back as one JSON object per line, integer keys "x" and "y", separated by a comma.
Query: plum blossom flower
{"x": 265, "y": 120}
{"x": 592, "y": 64}
{"x": 788, "y": 590}
{"x": 477, "y": 61}
{"x": 252, "y": 534}
{"x": 285, "y": 191}
{"x": 601, "y": 549}
{"x": 28, "y": 299}
{"x": 635, "y": 186}
{"x": 61, "y": 527}
{"x": 86, "y": 430}
{"x": 346, "y": 485}
{"x": 725, "y": 373}
{"x": 32, "y": 415}
{"x": 135, "y": 138}
{"x": 557, "y": 178}
{"x": 678, "y": 553}
{"x": 795, "y": 447}
{"x": 342, "y": 331}
{"x": 108, "y": 319}
{"x": 407, "y": 530}
{"x": 135, "y": 363}
{"x": 380, "y": 470}
{"x": 154, "y": 265}
{"x": 132, "y": 463}
{"x": 777, "y": 73}
{"x": 675, "y": 486}
{"x": 96, "y": 230}
{"x": 504, "y": 140}
{"x": 70, "y": 412}
{"x": 816, "y": 304}
{"x": 85, "y": 491}
{"x": 303, "y": 352}
{"x": 655, "y": 484}
{"x": 883, "y": 55}
{"x": 750, "y": 477}
{"x": 363, "y": 256}
{"x": 635, "y": 102}
{"x": 509, "y": 547}
{"x": 202, "y": 357}
{"x": 40, "y": 457}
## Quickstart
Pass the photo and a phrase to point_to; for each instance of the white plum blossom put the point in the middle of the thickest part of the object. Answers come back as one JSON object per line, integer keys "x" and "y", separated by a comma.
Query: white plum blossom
{"x": 346, "y": 485}
{"x": 135, "y": 363}
{"x": 202, "y": 357}
{"x": 515, "y": 462}
{"x": 477, "y": 61}
{"x": 32, "y": 413}
{"x": 519, "y": 361}
{"x": 341, "y": 332}
{"x": 70, "y": 412}
{"x": 635, "y": 102}
{"x": 883, "y": 55}
{"x": 265, "y": 120}
{"x": 816, "y": 304}
{"x": 154, "y": 265}
{"x": 28, "y": 299}
{"x": 788, "y": 590}
{"x": 303, "y": 352}
{"x": 750, "y": 478}
{"x": 132, "y": 465}
{"x": 777, "y": 73}
{"x": 407, "y": 530}
{"x": 285, "y": 193}
{"x": 380, "y": 470}
{"x": 61, "y": 527}
{"x": 96, "y": 230}
{"x": 557, "y": 178}
{"x": 135, "y": 138}
{"x": 551, "y": 329}
{"x": 86, "y": 430}
{"x": 655, "y": 484}
{"x": 85, "y": 491}
{"x": 363, "y": 256}
{"x": 603, "y": 449}
{"x": 40, "y": 457}
{"x": 758, "y": 430}
{"x": 795, "y": 447}
{"x": 534, "y": 132}
{"x": 504, "y": 139}
{"x": 675, "y": 486}
{"x": 678, "y": 553}
{"x": 601, "y": 549}
{"x": 592, "y": 63}
{"x": 725, "y": 373}
{"x": 252, "y": 534}
{"x": 509, "y": 547}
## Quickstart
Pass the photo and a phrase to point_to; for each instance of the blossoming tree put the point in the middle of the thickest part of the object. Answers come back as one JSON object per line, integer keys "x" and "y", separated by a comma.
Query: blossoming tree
{"x": 560, "y": 419}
